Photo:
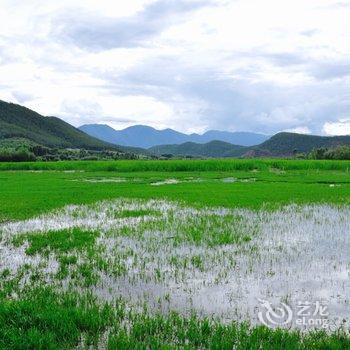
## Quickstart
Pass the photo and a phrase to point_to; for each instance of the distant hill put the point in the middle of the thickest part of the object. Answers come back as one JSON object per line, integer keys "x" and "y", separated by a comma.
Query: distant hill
{"x": 145, "y": 136}
{"x": 280, "y": 145}
{"x": 241, "y": 138}
{"x": 18, "y": 122}
{"x": 286, "y": 143}
{"x": 211, "y": 149}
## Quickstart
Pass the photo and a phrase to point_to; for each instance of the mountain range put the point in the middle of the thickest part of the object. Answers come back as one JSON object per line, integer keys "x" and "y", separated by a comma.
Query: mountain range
{"x": 212, "y": 149}
{"x": 280, "y": 145}
{"x": 20, "y": 124}
{"x": 146, "y": 136}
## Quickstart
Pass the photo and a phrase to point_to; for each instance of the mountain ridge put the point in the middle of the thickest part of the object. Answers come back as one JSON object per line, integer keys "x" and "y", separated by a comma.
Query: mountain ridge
{"x": 212, "y": 149}
{"x": 17, "y": 121}
{"x": 282, "y": 144}
{"x": 146, "y": 136}
{"x": 20, "y": 123}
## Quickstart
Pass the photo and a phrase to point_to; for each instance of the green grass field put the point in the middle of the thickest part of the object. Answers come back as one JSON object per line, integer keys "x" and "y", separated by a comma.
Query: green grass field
{"x": 38, "y": 187}
{"x": 150, "y": 250}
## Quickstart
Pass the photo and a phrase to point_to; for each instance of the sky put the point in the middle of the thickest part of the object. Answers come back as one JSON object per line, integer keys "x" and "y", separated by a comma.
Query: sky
{"x": 191, "y": 65}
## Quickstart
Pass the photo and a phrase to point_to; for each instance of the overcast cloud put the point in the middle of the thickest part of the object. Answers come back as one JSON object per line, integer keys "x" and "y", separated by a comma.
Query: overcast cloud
{"x": 192, "y": 65}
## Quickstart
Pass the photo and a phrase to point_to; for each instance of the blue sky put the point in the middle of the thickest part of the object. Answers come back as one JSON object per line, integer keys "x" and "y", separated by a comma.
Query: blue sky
{"x": 192, "y": 65}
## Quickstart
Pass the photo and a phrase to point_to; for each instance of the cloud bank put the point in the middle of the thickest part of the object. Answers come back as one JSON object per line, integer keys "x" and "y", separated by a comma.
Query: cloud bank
{"x": 192, "y": 65}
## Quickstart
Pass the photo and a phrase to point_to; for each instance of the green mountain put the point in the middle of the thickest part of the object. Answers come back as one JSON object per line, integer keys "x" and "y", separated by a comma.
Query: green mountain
{"x": 18, "y": 122}
{"x": 212, "y": 149}
{"x": 286, "y": 143}
{"x": 146, "y": 136}
{"x": 280, "y": 145}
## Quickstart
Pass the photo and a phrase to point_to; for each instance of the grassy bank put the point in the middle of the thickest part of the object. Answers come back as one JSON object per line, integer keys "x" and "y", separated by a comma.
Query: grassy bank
{"x": 25, "y": 194}
{"x": 181, "y": 165}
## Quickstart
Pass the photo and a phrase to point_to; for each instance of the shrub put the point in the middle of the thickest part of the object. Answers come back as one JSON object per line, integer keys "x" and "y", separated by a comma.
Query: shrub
{"x": 336, "y": 153}
{"x": 16, "y": 155}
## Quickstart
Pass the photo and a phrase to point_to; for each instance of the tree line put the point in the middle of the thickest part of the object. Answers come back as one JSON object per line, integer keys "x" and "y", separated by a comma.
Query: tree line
{"x": 29, "y": 153}
{"x": 336, "y": 153}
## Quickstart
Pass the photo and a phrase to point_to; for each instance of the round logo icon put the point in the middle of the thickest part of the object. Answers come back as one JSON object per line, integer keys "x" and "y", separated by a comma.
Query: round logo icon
{"x": 270, "y": 316}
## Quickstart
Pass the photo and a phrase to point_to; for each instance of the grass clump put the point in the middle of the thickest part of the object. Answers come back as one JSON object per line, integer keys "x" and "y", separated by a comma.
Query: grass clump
{"x": 75, "y": 249}
{"x": 215, "y": 230}
{"x": 137, "y": 213}
{"x": 57, "y": 240}
{"x": 197, "y": 228}
{"x": 43, "y": 319}
{"x": 176, "y": 332}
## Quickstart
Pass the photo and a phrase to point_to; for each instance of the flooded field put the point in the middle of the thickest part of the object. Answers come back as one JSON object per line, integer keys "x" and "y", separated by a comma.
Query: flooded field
{"x": 215, "y": 262}
{"x": 251, "y": 259}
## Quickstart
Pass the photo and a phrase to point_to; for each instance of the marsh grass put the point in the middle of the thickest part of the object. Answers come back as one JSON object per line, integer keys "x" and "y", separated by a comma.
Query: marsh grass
{"x": 56, "y": 240}
{"x": 181, "y": 165}
{"x": 43, "y": 319}
{"x": 159, "y": 274}
{"x": 26, "y": 194}
{"x": 137, "y": 213}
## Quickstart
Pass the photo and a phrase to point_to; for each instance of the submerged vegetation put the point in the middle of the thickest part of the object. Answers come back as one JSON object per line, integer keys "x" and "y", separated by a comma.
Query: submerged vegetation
{"x": 121, "y": 274}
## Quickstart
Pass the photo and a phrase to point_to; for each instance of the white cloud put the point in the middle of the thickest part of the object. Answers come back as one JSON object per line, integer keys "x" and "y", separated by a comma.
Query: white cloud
{"x": 188, "y": 64}
{"x": 115, "y": 111}
{"x": 342, "y": 127}
{"x": 299, "y": 130}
